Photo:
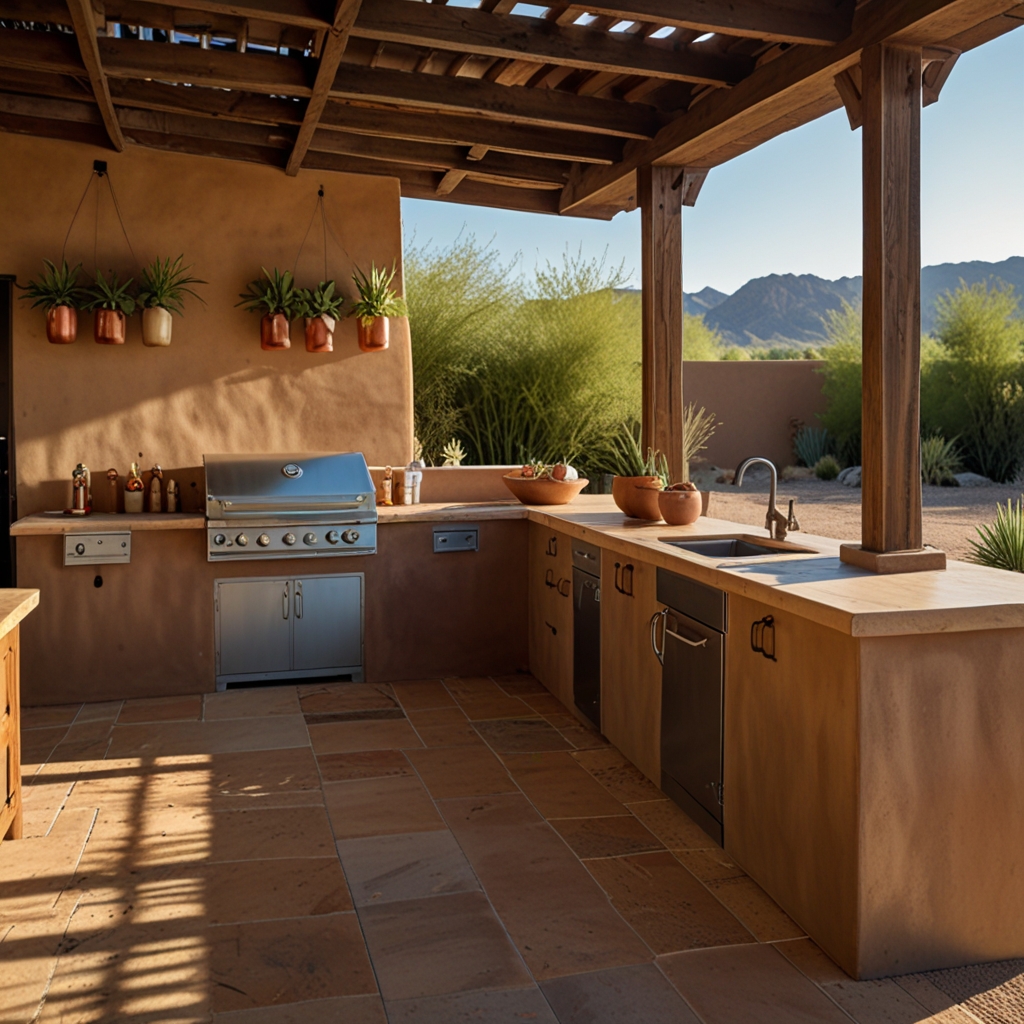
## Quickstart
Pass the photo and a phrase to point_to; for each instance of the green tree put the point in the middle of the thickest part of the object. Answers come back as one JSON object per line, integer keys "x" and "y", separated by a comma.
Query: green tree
{"x": 844, "y": 330}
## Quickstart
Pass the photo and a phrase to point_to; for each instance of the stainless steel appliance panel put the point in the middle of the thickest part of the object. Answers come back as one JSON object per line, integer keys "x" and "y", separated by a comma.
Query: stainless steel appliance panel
{"x": 254, "y": 630}
{"x": 692, "y": 697}
{"x": 461, "y": 538}
{"x": 698, "y": 600}
{"x": 586, "y": 643}
{"x": 586, "y": 557}
{"x": 328, "y": 626}
{"x": 98, "y": 548}
{"x": 230, "y": 541}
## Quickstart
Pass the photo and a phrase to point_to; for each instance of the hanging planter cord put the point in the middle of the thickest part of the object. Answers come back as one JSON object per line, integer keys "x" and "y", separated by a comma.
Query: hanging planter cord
{"x": 325, "y": 228}
{"x": 99, "y": 171}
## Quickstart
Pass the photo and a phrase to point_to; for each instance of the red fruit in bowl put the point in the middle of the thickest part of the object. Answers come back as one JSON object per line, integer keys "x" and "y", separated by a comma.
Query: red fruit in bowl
{"x": 559, "y": 471}
{"x": 527, "y": 471}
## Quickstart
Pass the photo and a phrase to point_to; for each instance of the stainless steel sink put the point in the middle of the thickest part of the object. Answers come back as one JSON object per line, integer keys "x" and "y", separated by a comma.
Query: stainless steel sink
{"x": 737, "y": 547}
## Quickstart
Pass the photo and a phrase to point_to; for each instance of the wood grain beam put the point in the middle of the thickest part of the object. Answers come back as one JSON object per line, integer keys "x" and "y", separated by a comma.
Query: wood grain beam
{"x": 804, "y": 21}
{"x": 330, "y": 57}
{"x": 439, "y": 157}
{"x": 213, "y": 103}
{"x": 763, "y": 105}
{"x": 283, "y": 12}
{"x": 848, "y": 87}
{"x": 472, "y": 131}
{"x": 536, "y": 39}
{"x": 41, "y": 52}
{"x": 84, "y": 22}
{"x": 543, "y": 107}
{"x": 450, "y": 182}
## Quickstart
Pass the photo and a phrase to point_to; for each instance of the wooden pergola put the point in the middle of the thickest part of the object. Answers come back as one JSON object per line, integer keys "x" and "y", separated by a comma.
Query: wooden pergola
{"x": 574, "y": 109}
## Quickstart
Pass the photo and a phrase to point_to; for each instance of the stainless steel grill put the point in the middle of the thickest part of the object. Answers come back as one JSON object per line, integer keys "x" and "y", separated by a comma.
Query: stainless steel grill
{"x": 312, "y": 505}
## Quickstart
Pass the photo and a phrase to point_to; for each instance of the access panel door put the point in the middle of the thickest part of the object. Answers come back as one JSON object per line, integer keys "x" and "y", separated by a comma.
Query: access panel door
{"x": 328, "y": 627}
{"x": 254, "y": 627}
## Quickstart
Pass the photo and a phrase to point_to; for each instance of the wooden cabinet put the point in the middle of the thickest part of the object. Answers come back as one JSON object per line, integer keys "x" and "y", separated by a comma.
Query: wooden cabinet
{"x": 630, "y": 671}
{"x": 550, "y": 619}
{"x": 10, "y": 739}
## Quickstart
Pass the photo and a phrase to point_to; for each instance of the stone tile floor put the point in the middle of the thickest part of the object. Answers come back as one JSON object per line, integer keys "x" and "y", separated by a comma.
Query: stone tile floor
{"x": 430, "y": 852}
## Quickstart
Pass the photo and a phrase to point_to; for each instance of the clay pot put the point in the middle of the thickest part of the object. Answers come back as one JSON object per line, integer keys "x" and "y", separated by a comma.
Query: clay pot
{"x": 320, "y": 334}
{"x": 543, "y": 490}
{"x": 156, "y": 327}
{"x": 275, "y": 332}
{"x": 108, "y": 327}
{"x": 637, "y": 496}
{"x": 61, "y": 325}
{"x": 373, "y": 338}
{"x": 680, "y": 508}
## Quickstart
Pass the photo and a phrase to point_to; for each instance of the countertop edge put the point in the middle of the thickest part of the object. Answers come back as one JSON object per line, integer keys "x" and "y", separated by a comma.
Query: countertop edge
{"x": 24, "y": 601}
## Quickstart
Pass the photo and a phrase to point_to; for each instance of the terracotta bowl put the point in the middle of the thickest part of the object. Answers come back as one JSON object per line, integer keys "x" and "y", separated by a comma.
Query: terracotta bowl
{"x": 632, "y": 501}
{"x": 531, "y": 491}
{"x": 680, "y": 508}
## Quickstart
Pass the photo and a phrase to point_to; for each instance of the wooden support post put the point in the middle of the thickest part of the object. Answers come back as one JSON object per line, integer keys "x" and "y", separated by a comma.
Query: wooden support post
{"x": 661, "y": 260}
{"x": 891, "y": 418}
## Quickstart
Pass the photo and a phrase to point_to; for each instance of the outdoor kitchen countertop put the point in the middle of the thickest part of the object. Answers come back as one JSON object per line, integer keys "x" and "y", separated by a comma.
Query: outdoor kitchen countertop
{"x": 814, "y": 585}
{"x": 14, "y": 606}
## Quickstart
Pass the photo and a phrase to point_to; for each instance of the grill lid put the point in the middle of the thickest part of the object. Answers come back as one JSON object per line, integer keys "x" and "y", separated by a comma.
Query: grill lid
{"x": 288, "y": 484}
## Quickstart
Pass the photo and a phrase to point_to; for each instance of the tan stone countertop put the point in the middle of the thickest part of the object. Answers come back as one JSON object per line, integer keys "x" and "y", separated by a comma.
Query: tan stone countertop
{"x": 815, "y": 585}
{"x": 14, "y": 606}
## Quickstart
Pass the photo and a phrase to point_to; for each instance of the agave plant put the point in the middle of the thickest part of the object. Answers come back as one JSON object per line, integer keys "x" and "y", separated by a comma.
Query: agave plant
{"x": 827, "y": 468}
{"x": 940, "y": 460}
{"x": 112, "y": 294}
{"x": 320, "y": 301}
{"x": 810, "y": 445}
{"x": 56, "y": 287}
{"x": 376, "y": 296}
{"x": 453, "y": 453}
{"x": 165, "y": 283}
{"x": 271, "y": 294}
{"x": 1001, "y": 544}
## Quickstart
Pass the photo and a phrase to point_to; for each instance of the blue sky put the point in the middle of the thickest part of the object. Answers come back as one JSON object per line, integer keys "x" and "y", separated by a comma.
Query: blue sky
{"x": 793, "y": 204}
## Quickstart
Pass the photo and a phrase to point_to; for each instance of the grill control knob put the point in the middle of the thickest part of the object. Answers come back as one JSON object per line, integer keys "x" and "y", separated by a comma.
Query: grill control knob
{"x": 350, "y": 536}
{"x": 219, "y": 539}
{"x": 289, "y": 539}
{"x": 79, "y": 549}
{"x": 310, "y": 538}
{"x": 333, "y": 537}
{"x": 263, "y": 540}
{"x": 241, "y": 540}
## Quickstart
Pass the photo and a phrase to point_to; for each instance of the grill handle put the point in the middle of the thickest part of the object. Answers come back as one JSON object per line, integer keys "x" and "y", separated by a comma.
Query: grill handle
{"x": 298, "y": 599}
{"x": 285, "y": 601}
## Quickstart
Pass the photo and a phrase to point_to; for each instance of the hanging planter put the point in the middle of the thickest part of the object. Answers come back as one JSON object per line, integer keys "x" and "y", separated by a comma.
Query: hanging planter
{"x": 378, "y": 302}
{"x": 164, "y": 287}
{"x": 112, "y": 302}
{"x": 58, "y": 291}
{"x": 277, "y": 299}
{"x": 320, "y": 308}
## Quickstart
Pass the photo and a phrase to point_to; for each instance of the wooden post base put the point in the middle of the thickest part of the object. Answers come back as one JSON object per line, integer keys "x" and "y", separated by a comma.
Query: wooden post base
{"x": 885, "y": 562}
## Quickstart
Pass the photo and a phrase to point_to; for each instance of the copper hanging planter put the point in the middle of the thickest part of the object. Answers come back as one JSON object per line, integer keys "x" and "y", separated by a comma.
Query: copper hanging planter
{"x": 108, "y": 327}
{"x": 61, "y": 325}
{"x": 275, "y": 333}
{"x": 373, "y": 337}
{"x": 320, "y": 333}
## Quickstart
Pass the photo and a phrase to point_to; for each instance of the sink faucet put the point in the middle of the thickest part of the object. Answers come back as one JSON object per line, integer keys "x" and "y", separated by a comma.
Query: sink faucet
{"x": 775, "y": 522}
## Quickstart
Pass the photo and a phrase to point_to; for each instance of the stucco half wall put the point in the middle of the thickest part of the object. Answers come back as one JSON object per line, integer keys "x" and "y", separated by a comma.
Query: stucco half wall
{"x": 213, "y": 389}
{"x": 755, "y": 401}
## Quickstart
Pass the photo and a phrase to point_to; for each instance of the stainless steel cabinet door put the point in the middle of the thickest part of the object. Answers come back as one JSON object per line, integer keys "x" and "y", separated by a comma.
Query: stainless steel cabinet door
{"x": 328, "y": 622}
{"x": 254, "y": 625}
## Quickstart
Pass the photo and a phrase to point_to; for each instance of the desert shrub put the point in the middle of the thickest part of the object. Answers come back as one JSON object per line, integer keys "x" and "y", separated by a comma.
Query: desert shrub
{"x": 975, "y": 386}
{"x": 700, "y": 342}
{"x": 1001, "y": 544}
{"x": 940, "y": 460}
{"x": 842, "y": 387}
{"x": 827, "y": 468}
{"x": 810, "y": 444}
{"x": 735, "y": 353}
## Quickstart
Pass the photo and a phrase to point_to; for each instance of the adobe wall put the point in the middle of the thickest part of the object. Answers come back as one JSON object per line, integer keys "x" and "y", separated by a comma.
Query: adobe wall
{"x": 213, "y": 389}
{"x": 755, "y": 402}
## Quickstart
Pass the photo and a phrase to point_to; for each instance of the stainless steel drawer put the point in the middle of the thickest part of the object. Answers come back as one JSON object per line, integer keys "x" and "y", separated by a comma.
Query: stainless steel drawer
{"x": 98, "y": 548}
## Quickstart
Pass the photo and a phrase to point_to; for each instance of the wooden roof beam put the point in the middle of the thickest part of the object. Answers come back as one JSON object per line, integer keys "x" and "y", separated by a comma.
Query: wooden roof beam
{"x": 820, "y": 22}
{"x": 536, "y": 39}
{"x": 333, "y": 49}
{"x": 283, "y": 12}
{"x": 84, "y": 23}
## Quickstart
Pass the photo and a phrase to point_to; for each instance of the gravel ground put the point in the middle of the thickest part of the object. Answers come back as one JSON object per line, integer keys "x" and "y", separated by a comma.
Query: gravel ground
{"x": 951, "y": 514}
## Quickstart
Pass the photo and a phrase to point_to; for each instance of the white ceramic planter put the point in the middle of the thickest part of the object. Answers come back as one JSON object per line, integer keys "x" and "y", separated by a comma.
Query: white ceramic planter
{"x": 156, "y": 327}
{"x": 133, "y": 501}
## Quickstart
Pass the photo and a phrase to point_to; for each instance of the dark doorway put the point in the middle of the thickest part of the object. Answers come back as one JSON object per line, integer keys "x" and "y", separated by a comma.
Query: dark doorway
{"x": 8, "y": 497}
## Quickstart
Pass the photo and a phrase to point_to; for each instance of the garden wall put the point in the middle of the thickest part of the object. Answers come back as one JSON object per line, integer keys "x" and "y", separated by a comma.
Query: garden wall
{"x": 213, "y": 389}
{"x": 755, "y": 401}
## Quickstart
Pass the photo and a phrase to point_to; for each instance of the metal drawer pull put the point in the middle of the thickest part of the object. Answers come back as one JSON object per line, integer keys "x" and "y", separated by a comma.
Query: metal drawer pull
{"x": 663, "y": 615}
{"x": 689, "y": 643}
{"x": 285, "y": 602}
{"x": 298, "y": 600}
{"x": 585, "y": 554}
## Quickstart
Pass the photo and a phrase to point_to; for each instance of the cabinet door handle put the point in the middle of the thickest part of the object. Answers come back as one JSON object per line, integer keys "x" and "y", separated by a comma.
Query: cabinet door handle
{"x": 285, "y": 601}
{"x": 564, "y": 587}
{"x": 298, "y": 599}
{"x": 663, "y": 615}
{"x": 690, "y": 643}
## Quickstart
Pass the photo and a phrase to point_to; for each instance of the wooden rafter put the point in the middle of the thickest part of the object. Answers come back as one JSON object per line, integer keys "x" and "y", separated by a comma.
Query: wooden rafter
{"x": 84, "y": 23}
{"x": 804, "y": 21}
{"x": 535, "y": 39}
{"x": 284, "y": 12}
{"x": 330, "y": 57}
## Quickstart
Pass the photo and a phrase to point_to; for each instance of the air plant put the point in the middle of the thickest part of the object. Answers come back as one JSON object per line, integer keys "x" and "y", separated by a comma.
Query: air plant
{"x": 165, "y": 283}
{"x": 271, "y": 295}
{"x": 320, "y": 301}
{"x": 56, "y": 287}
{"x": 112, "y": 294}
{"x": 376, "y": 296}
{"x": 453, "y": 453}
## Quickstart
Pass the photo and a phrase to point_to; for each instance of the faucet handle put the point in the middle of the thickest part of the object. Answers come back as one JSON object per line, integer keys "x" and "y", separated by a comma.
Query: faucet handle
{"x": 792, "y": 523}
{"x": 780, "y": 523}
